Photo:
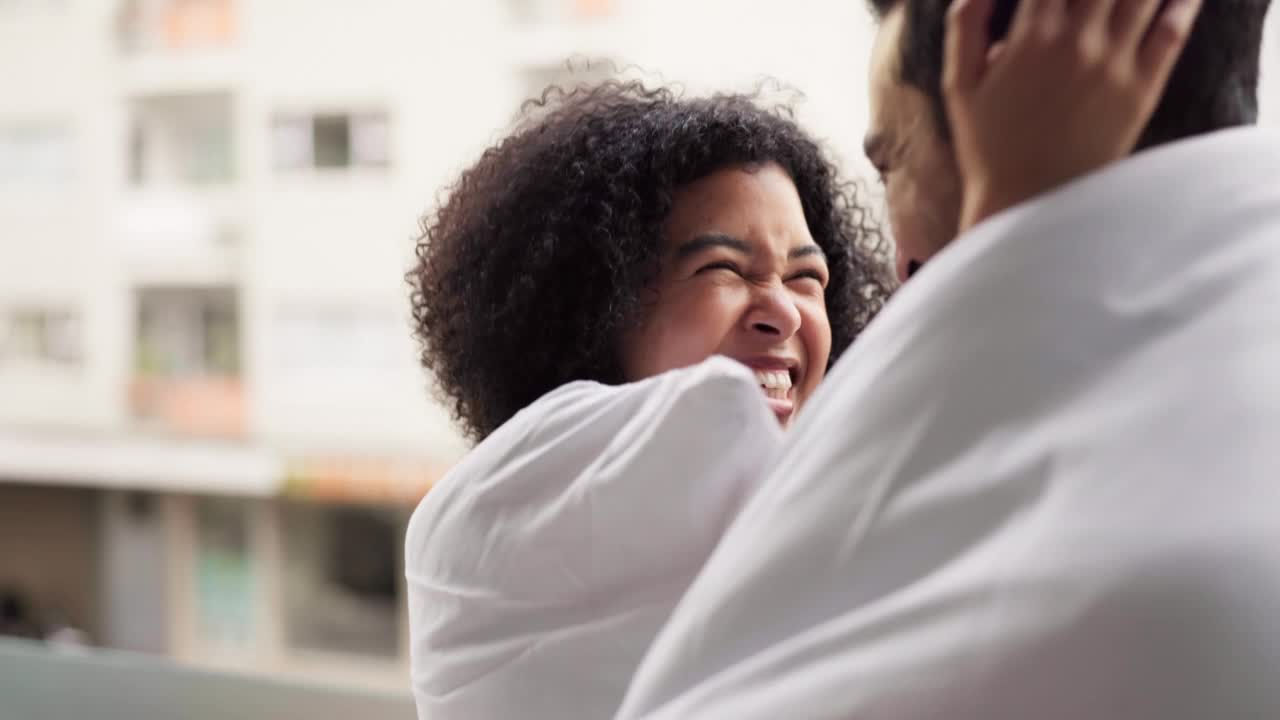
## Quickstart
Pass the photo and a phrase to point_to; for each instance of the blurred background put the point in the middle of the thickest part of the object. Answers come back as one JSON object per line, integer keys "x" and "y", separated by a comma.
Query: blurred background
{"x": 213, "y": 427}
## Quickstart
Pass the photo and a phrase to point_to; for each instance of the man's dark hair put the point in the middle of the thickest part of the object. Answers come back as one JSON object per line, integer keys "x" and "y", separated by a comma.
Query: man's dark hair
{"x": 537, "y": 261}
{"x": 1214, "y": 85}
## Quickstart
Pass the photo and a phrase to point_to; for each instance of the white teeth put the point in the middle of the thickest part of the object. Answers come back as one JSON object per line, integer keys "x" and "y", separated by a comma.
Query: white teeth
{"x": 774, "y": 379}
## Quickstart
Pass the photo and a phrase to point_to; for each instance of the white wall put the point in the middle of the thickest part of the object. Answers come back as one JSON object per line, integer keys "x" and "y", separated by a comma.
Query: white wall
{"x": 331, "y": 238}
{"x": 54, "y": 247}
{"x": 819, "y": 47}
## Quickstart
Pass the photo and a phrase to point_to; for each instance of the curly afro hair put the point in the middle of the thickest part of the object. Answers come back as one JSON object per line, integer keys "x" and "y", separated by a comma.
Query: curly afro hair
{"x": 533, "y": 267}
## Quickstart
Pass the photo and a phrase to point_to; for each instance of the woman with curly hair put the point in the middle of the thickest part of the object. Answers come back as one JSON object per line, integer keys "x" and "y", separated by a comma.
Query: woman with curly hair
{"x": 624, "y": 301}
{"x": 537, "y": 269}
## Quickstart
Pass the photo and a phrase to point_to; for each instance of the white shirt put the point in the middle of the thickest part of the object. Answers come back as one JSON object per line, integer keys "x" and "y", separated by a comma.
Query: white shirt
{"x": 540, "y": 569}
{"x": 1045, "y": 483}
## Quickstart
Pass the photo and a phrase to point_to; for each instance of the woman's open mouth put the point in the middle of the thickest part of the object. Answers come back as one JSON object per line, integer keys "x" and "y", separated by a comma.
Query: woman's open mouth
{"x": 778, "y": 386}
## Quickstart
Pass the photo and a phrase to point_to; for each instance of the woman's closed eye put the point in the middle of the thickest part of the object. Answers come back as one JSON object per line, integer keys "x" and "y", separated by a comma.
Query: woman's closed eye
{"x": 805, "y": 275}
{"x": 720, "y": 265}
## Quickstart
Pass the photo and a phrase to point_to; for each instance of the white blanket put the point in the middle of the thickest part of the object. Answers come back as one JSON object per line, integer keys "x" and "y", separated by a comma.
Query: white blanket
{"x": 1044, "y": 484}
{"x": 541, "y": 568}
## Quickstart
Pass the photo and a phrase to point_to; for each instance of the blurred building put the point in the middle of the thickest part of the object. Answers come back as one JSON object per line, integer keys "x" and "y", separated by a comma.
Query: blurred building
{"x": 212, "y": 422}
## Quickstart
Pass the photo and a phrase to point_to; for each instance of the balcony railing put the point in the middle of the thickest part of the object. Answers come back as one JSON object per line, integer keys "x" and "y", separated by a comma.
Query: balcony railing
{"x": 200, "y": 406}
{"x": 40, "y": 681}
{"x": 175, "y": 25}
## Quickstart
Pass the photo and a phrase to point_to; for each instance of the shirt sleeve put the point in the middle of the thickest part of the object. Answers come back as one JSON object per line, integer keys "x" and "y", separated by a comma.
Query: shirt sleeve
{"x": 550, "y": 557}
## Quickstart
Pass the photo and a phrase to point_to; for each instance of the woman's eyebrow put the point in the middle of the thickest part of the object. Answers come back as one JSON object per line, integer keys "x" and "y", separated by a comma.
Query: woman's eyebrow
{"x": 807, "y": 250}
{"x": 710, "y": 240}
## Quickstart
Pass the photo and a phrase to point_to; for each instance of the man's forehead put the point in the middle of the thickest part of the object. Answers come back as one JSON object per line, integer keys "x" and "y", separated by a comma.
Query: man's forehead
{"x": 885, "y": 56}
{"x": 886, "y": 90}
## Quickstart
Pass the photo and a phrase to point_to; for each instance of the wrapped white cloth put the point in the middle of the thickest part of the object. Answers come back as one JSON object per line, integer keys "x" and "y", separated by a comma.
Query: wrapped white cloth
{"x": 1044, "y": 484}
{"x": 541, "y": 568}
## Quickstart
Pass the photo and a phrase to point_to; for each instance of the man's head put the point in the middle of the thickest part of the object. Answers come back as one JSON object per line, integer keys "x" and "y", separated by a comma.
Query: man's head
{"x": 1214, "y": 86}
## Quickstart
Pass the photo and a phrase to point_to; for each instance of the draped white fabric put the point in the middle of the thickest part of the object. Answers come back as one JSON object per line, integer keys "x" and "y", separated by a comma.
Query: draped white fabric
{"x": 542, "y": 567}
{"x": 1044, "y": 484}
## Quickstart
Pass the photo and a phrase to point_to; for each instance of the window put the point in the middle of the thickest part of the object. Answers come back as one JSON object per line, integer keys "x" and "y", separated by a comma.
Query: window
{"x": 137, "y": 155}
{"x": 42, "y": 336}
{"x": 330, "y": 141}
{"x": 370, "y": 140}
{"x": 188, "y": 332}
{"x": 36, "y": 154}
{"x": 188, "y": 363}
{"x": 208, "y": 158}
{"x": 224, "y": 574}
{"x": 342, "y": 592}
{"x": 183, "y": 139}
{"x": 291, "y": 141}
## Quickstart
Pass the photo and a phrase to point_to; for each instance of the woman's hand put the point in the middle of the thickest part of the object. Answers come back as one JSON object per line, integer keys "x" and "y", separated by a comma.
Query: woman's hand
{"x": 1068, "y": 91}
